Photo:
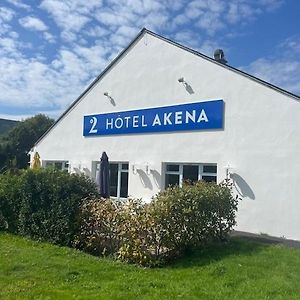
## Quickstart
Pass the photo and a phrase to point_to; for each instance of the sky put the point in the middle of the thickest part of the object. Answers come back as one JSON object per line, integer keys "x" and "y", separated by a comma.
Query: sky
{"x": 51, "y": 50}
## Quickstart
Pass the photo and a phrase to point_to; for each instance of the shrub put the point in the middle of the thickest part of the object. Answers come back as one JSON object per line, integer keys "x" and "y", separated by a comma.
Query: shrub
{"x": 99, "y": 222}
{"x": 151, "y": 234}
{"x": 194, "y": 214}
{"x": 44, "y": 204}
{"x": 9, "y": 202}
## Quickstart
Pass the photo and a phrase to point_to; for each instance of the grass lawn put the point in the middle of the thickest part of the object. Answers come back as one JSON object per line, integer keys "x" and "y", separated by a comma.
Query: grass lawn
{"x": 238, "y": 270}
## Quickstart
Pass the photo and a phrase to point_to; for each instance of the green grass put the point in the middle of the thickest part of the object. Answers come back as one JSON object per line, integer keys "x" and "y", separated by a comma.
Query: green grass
{"x": 238, "y": 270}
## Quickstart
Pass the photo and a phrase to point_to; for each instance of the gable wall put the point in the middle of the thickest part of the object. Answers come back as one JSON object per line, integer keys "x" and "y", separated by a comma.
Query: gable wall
{"x": 260, "y": 139}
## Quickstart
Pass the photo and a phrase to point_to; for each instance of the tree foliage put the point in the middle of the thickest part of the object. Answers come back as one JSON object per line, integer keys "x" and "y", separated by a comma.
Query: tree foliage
{"x": 16, "y": 144}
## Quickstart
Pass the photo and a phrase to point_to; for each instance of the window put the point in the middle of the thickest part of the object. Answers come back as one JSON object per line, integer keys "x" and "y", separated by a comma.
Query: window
{"x": 118, "y": 177}
{"x": 176, "y": 173}
{"x": 56, "y": 164}
{"x": 118, "y": 180}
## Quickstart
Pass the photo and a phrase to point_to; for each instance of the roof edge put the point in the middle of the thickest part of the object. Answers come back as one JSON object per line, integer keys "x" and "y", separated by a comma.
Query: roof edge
{"x": 138, "y": 36}
{"x": 77, "y": 100}
{"x": 268, "y": 84}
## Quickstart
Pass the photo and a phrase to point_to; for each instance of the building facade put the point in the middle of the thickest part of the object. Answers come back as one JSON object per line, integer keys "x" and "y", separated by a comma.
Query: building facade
{"x": 164, "y": 113}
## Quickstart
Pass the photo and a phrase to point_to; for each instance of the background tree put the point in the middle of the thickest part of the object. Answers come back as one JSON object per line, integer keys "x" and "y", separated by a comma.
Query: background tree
{"x": 18, "y": 141}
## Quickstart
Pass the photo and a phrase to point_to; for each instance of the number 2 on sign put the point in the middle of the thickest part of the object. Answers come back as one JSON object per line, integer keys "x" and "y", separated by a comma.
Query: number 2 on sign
{"x": 93, "y": 121}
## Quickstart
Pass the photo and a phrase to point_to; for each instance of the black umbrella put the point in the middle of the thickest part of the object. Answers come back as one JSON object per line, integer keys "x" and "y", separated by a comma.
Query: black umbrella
{"x": 104, "y": 176}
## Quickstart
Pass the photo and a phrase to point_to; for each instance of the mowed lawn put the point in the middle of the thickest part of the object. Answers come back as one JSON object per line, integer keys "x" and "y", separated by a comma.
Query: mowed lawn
{"x": 238, "y": 270}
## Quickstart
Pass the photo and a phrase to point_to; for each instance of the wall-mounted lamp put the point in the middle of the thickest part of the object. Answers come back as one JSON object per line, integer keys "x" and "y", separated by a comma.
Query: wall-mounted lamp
{"x": 148, "y": 169}
{"x": 228, "y": 169}
{"x": 181, "y": 80}
{"x": 135, "y": 168}
{"x": 188, "y": 88}
{"x": 112, "y": 101}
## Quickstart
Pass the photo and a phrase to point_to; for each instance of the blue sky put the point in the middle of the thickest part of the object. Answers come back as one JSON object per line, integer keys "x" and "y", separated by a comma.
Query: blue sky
{"x": 50, "y": 50}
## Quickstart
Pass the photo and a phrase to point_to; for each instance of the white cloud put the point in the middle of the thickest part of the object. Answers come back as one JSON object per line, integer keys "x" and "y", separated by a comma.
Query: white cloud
{"x": 6, "y": 14}
{"x": 283, "y": 69}
{"x": 19, "y": 4}
{"x": 33, "y": 23}
{"x": 88, "y": 34}
{"x": 71, "y": 15}
{"x": 15, "y": 117}
{"x": 49, "y": 37}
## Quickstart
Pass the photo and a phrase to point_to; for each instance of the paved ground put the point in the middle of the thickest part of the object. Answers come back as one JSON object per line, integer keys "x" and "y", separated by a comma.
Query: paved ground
{"x": 267, "y": 239}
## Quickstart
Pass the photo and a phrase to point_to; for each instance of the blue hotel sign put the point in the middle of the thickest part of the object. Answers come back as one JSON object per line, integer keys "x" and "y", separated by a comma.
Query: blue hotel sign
{"x": 183, "y": 117}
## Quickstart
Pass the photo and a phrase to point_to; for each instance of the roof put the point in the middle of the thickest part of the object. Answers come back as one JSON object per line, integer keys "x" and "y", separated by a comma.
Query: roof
{"x": 140, "y": 34}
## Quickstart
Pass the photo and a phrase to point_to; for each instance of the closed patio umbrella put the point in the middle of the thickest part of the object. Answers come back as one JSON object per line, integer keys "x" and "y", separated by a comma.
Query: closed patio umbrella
{"x": 36, "y": 163}
{"x": 104, "y": 176}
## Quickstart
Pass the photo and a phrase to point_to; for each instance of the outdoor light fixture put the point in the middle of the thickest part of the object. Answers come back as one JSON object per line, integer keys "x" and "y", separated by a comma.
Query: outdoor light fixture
{"x": 148, "y": 169}
{"x": 228, "y": 167}
{"x": 135, "y": 168}
{"x": 187, "y": 86}
{"x": 181, "y": 80}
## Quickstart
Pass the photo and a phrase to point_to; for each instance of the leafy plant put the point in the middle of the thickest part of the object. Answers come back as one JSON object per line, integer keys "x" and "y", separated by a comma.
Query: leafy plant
{"x": 43, "y": 204}
{"x": 151, "y": 234}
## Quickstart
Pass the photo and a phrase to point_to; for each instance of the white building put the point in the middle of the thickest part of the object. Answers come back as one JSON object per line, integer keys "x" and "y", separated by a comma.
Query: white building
{"x": 163, "y": 112}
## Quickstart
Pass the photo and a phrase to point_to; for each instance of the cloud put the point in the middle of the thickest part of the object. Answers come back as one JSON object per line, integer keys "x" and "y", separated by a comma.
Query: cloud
{"x": 281, "y": 69}
{"x": 6, "y": 14}
{"x": 71, "y": 16}
{"x": 14, "y": 117}
{"x": 33, "y": 23}
{"x": 49, "y": 37}
{"x": 19, "y": 4}
{"x": 84, "y": 36}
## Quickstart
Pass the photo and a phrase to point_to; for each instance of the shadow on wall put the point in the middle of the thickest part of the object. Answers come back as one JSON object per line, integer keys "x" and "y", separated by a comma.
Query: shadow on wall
{"x": 189, "y": 89}
{"x": 145, "y": 179}
{"x": 157, "y": 178}
{"x": 76, "y": 171}
{"x": 242, "y": 186}
{"x": 87, "y": 172}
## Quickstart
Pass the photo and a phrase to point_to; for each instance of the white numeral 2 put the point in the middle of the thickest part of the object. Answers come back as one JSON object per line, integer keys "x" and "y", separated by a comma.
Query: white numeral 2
{"x": 93, "y": 121}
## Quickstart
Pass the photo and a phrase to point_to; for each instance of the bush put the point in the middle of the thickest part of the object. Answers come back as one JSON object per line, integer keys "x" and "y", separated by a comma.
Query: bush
{"x": 10, "y": 195}
{"x": 99, "y": 226}
{"x": 44, "y": 204}
{"x": 151, "y": 234}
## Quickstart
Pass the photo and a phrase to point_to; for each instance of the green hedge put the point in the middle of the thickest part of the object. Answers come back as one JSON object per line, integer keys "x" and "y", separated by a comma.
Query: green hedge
{"x": 43, "y": 204}
{"x": 55, "y": 206}
{"x": 151, "y": 234}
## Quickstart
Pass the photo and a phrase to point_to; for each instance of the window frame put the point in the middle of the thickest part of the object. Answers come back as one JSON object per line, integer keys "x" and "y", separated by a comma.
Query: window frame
{"x": 180, "y": 171}
{"x": 120, "y": 171}
{"x": 95, "y": 168}
{"x": 65, "y": 164}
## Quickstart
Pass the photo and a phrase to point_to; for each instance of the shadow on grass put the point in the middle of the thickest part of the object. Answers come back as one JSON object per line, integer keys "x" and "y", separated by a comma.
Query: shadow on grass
{"x": 215, "y": 252}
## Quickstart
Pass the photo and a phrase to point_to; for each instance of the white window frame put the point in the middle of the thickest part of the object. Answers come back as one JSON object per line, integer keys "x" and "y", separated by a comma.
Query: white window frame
{"x": 65, "y": 164}
{"x": 180, "y": 171}
{"x": 120, "y": 171}
{"x": 95, "y": 168}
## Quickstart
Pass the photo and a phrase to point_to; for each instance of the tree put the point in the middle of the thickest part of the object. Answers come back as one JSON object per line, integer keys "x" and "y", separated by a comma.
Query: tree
{"x": 21, "y": 139}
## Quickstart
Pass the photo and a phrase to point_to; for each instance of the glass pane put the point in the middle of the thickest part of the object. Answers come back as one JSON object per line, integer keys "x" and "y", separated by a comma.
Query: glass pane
{"x": 113, "y": 178}
{"x": 49, "y": 164}
{"x": 209, "y": 169}
{"x": 172, "y": 180}
{"x": 124, "y": 185}
{"x": 190, "y": 172}
{"x": 124, "y": 166}
{"x": 173, "y": 168}
{"x": 58, "y": 165}
{"x": 209, "y": 178}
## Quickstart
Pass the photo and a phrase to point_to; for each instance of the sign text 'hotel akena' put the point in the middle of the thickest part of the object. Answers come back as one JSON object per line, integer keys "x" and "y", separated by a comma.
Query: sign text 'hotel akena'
{"x": 183, "y": 117}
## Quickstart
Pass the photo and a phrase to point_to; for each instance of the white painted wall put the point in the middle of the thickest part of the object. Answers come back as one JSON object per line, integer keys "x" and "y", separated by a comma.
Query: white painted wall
{"x": 261, "y": 137}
